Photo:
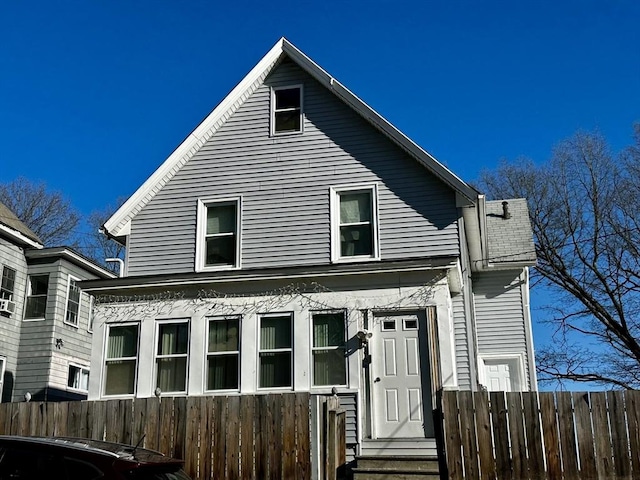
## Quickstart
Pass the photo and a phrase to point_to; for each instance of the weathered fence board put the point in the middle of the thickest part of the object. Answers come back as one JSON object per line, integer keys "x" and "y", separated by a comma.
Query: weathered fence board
{"x": 234, "y": 437}
{"x": 531, "y": 435}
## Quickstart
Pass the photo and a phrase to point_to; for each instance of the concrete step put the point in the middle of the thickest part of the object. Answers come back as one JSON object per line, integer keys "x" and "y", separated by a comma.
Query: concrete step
{"x": 396, "y": 468}
{"x": 399, "y": 447}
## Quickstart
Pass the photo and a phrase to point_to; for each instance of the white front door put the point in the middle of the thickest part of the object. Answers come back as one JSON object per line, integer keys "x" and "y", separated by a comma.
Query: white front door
{"x": 398, "y": 355}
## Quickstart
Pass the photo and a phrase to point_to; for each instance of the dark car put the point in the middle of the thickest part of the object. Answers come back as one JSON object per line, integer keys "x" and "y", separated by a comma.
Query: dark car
{"x": 39, "y": 458}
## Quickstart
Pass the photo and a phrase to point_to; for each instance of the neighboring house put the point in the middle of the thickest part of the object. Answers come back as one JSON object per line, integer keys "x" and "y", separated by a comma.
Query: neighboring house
{"x": 45, "y": 319}
{"x": 297, "y": 241}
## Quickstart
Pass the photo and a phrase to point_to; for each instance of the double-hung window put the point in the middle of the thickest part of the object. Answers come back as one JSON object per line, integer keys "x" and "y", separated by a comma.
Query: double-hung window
{"x": 355, "y": 223}
{"x": 171, "y": 356}
{"x": 329, "y": 362}
{"x": 78, "y": 378}
{"x": 286, "y": 110}
{"x": 275, "y": 354}
{"x": 8, "y": 283}
{"x": 223, "y": 353}
{"x": 218, "y": 242}
{"x": 73, "y": 302}
{"x": 36, "y": 297}
{"x": 121, "y": 359}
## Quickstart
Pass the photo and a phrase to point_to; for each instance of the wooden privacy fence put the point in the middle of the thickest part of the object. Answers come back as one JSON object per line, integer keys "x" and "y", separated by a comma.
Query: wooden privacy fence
{"x": 535, "y": 435}
{"x": 232, "y": 437}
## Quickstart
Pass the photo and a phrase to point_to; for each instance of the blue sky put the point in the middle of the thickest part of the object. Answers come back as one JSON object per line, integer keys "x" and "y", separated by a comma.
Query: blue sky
{"x": 95, "y": 94}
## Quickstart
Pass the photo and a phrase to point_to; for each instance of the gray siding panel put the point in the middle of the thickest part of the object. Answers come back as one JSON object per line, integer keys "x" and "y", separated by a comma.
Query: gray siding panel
{"x": 284, "y": 183}
{"x": 499, "y": 312}
{"x": 461, "y": 345}
{"x": 12, "y": 256}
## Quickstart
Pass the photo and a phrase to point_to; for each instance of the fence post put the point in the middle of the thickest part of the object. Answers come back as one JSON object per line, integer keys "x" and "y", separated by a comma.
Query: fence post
{"x": 334, "y": 447}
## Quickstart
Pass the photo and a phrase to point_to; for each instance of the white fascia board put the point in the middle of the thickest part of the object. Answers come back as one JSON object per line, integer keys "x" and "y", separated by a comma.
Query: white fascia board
{"x": 19, "y": 237}
{"x": 119, "y": 223}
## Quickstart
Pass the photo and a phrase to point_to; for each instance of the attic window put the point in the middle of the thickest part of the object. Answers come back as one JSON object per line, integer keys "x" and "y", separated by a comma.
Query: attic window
{"x": 286, "y": 110}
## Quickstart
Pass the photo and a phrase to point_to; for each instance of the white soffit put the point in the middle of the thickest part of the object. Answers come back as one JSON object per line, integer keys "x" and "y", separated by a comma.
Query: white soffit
{"x": 120, "y": 222}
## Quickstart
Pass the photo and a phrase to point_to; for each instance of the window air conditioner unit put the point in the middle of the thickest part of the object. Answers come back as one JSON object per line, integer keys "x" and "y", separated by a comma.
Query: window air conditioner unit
{"x": 7, "y": 306}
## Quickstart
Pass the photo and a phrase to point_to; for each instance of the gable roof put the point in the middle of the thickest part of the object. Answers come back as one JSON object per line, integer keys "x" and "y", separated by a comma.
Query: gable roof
{"x": 120, "y": 222}
{"x": 11, "y": 225}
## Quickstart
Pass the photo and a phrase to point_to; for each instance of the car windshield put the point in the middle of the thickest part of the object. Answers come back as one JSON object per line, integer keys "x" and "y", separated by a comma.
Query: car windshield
{"x": 156, "y": 474}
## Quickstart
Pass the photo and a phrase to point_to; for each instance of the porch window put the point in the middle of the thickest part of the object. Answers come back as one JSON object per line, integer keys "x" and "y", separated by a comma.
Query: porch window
{"x": 329, "y": 362}
{"x": 122, "y": 359}
{"x": 73, "y": 302}
{"x": 171, "y": 356}
{"x": 8, "y": 283}
{"x": 275, "y": 351}
{"x": 78, "y": 378}
{"x": 36, "y": 297}
{"x": 223, "y": 353}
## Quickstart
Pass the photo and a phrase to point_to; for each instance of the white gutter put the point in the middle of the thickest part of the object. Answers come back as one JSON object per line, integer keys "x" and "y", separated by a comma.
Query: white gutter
{"x": 20, "y": 237}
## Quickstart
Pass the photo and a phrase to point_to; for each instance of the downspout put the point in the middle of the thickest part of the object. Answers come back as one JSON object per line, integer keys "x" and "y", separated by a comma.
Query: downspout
{"x": 474, "y": 233}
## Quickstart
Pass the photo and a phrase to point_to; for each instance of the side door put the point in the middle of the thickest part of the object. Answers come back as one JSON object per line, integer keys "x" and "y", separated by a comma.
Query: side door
{"x": 401, "y": 393}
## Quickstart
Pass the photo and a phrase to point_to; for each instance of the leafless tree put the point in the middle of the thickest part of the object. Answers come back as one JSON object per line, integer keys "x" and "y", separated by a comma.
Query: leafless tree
{"x": 96, "y": 244}
{"x": 585, "y": 212}
{"x": 48, "y": 213}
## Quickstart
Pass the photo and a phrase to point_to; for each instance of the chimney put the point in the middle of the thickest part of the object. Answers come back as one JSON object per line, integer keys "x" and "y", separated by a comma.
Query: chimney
{"x": 505, "y": 210}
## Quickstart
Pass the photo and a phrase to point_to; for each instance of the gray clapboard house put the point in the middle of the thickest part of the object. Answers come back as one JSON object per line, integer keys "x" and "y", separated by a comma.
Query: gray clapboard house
{"x": 297, "y": 241}
{"x": 45, "y": 331}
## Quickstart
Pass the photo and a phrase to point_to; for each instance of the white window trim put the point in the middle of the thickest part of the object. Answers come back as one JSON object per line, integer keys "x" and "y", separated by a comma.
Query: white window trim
{"x": 313, "y": 349}
{"x": 201, "y": 244}
{"x": 515, "y": 358}
{"x": 273, "y": 111}
{"x": 66, "y": 303}
{"x": 81, "y": 367}
{"x": 156, "y": 356}
{"x": 103, "y": 372}
{"x": 205, "y": 368}
{"x": 335, "y": 222}
{"x": 28, "y": 294}
{"x": 15, "y": 276}
{"x": 276, "y": 350}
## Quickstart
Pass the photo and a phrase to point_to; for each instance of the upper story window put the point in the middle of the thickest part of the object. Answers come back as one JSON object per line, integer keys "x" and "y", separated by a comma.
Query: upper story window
{"x": 218, "y": 242}
{"x": 78, "y": 378}
{"x": 223, "y": 353}
{"x": 276, "y": 351}
{"x": 355, "y": 223}
{"x": 171, "y": 356}
{"x": 36, "y": 296}
{"x": 329, "y": 361}
{"x": 8, "y": 283}
{"x": 121, "y": 360}
{"x": 286, "y": 110}
{"x": 73, "y": 302}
